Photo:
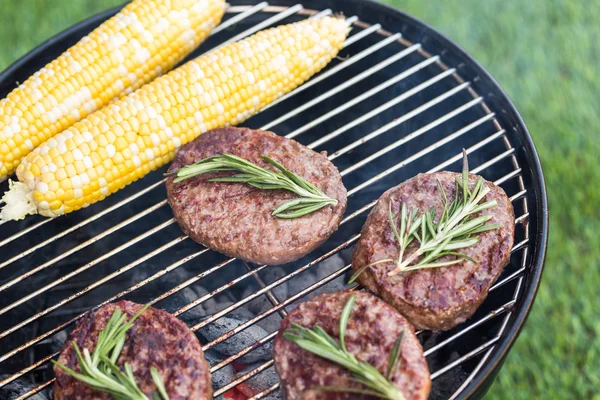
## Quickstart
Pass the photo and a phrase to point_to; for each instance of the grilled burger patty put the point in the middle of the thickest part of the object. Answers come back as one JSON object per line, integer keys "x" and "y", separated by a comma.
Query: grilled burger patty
{"x": 157, "y": 339}
{"x": 439, "y": 298}
{"x": 372, "y": 329}
{"x": 235, "y": 218}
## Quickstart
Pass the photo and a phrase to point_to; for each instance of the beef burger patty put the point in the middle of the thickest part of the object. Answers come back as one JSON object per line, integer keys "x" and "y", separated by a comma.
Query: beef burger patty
{"x": 235, "y": 218}
{"x": 437, "y": 298}
{"x": 157, "y": 339}
{"x": 372, "y": 330}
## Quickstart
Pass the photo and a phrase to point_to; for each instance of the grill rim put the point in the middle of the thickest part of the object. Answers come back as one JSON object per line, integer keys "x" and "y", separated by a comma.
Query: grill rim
{"x": 483, "y": 379}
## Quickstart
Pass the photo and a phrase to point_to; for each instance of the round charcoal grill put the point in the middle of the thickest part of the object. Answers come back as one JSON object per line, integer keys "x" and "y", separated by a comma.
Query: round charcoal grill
{"x": 399, "y": 100}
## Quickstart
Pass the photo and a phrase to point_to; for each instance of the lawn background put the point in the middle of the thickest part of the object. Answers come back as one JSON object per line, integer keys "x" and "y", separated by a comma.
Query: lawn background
{"x": 545, "y": 53}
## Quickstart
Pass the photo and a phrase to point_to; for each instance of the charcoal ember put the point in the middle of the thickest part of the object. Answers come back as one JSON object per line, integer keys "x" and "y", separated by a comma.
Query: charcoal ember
{"x": 209, "y": 306}
{"x": 329, "y": 266}
{"x": 18, "y": 387}
{"x": 53, "y": 343}
{"x": 268, "y": 275}
{"x": 222, "y": 376}
{"x": 238, "y": 342}
{"x": 315, "y": 274}
{"x": 259, "y": 382}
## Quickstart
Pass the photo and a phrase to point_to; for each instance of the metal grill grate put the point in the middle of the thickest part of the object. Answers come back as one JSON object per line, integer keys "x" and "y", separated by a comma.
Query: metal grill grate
{"x": 385, "y": 110}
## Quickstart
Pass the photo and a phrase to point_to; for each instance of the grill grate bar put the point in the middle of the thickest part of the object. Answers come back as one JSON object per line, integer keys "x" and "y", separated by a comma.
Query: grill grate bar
{"x": 35, "y": 390}
{"x": 427, "y": 150}
{"x": 518, "y": 195}
{"x": 277, "y": 305}
{"x": 321, "y": 14}
{"x": 268, "y": 312}
{"x": 507, "y": 177}
{"x": 24, "y": 231}
{"x": 245, "y": 351}
{"x": 265, "y": 392}
{"x": 91, "y": 287}
{"x": 495, "y": 159}
{"x": 86, "y": 266}
{"x": 269, "y": 21}
{"x": 521, "y": 244}
{"x": 82, "y": 245}
{"x": 332, "y": 71}
{"x": 361, "y": 34}
{"x": 187, "y": 283}
{"x": 27, "y": 369}
{"x": 472, "y": 326}
{"x": 270, "y": 295}
{"x": 407, "y": 138}
{"x": 472, "y": 375}
{"x": 366, "y": 73}
{"x": 368, "y": 94}
{"x": 239, "y": 17}
{"x": 156, "y": 184}
{"x": 379, "y": 109}
{"x": 243, "y": 378}
{"x": 464, "y": 358}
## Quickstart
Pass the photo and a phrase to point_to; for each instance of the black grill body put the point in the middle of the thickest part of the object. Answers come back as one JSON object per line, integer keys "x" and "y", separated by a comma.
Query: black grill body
{"x": 401, "y": 99}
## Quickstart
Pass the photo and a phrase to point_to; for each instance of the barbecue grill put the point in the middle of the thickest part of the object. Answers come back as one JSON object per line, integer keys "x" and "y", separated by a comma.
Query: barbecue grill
{"x": 399, "y": 100}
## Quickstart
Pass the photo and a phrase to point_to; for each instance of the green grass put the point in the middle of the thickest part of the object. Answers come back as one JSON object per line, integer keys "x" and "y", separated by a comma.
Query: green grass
{"x": 545, "y": 54}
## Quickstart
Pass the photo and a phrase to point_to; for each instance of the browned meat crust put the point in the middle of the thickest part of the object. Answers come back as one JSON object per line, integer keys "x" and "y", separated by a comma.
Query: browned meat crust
{"x": 372, "y": 330}
{"x": 157, "y": 339}
{"x": 235, "y": 218}
{"x": 436, "y": 299}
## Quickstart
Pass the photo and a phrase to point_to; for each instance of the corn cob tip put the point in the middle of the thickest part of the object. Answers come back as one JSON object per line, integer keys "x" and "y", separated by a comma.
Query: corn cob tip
{"x": 18, "y": 202}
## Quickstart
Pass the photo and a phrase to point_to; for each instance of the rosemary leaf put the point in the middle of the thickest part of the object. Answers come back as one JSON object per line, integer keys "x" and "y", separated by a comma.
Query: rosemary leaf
{"x": 318, "y": 342}
{"x": 394, "y": 356}
{"x": 158, "y": 382}
{"x": 99, "y": 370}
{"x": 348, "y": 390}
{"x": 310, "y": 199}
{"x": 457, "y": 228}
{"x": 344, "y": 321}
{"x": 362, "y": 269}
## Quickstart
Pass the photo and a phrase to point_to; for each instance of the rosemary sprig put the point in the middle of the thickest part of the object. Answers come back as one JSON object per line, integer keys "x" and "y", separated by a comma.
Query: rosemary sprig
{"x": 99, "y": 370}
{"x": 319, "y": 342}
{"x": 456, "y": 229}
{"x": 310, "y": 199}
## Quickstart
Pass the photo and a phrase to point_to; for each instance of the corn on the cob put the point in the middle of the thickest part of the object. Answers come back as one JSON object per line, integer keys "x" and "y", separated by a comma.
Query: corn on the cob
{"x": 122, "y": 142}
{"x": 144, "y": 39}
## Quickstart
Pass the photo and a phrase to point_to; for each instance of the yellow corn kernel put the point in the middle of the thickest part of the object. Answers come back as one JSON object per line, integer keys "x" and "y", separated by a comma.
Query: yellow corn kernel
{"x": 144, "y": 39}
{"x": 316, "y": 43}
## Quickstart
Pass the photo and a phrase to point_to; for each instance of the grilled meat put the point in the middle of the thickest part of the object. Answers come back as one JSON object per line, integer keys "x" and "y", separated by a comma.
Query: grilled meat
{"x": 157, "y": 339}
{"x": 235, "y": 218}
{"x": 440, "y": 298}
{"x": 372, "y": 330}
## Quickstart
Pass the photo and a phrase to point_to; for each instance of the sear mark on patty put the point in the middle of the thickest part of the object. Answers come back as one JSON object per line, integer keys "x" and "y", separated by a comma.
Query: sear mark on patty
{"x": 157, "y": 339}
{"x": 372, "y": 330}
{"x": 440, "y": 298}
{"x": 235, "y": 218}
